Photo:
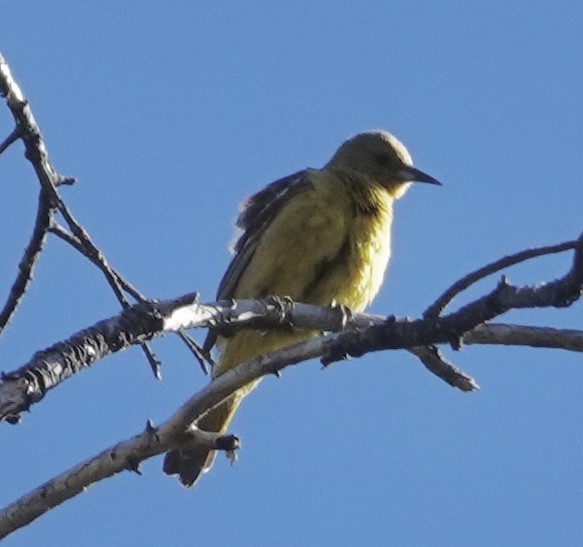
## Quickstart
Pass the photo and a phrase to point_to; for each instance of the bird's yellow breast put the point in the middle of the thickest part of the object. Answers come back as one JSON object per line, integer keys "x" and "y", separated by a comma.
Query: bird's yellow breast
{"x": 330, "y": 243}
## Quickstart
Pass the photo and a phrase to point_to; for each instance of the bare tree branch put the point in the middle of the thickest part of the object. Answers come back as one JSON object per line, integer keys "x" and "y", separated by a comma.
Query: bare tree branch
{"x": 360, "y": 333}
{"x": 36, "y": 152}
{"x": 128, "y": 454}
{"x": 124, "y": 456}
{"x": 145, "y": 321}
{"x": 451, "y": 328}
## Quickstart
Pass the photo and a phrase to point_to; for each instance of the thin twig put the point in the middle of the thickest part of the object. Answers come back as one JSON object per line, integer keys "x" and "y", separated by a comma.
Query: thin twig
{"x": 203, "y": 359}
{"x": 153, "y": 361}
{"x": 35, "y": 149}
{"x": 31, "y": 255}
{"x": 436, "y": 363}
{"x": 502, "y": 334}
{"x": 90, "y": 250}
{"x": 11, "y": 139}
{"x": 67, "y": 236}
{"x": 440, "y": 304}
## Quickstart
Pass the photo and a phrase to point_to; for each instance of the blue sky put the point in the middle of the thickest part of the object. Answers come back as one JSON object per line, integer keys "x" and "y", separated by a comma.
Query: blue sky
{"x": 169, "y": 115}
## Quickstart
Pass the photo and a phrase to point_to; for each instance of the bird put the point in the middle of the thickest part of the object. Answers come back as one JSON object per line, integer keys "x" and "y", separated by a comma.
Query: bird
{"x": 319, "y": 236}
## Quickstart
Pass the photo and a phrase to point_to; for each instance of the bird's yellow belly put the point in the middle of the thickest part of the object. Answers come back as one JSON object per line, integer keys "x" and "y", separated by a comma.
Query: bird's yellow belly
{"x": 356, "y": 276}
{"x": 327, "y": 255}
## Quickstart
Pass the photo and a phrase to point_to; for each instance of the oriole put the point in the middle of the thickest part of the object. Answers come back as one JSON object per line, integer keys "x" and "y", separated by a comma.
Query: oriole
{"x": 318, "y": 236}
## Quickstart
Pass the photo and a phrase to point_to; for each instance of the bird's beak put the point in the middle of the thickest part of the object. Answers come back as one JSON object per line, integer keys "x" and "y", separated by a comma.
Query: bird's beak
{"x": 408, "y": 173}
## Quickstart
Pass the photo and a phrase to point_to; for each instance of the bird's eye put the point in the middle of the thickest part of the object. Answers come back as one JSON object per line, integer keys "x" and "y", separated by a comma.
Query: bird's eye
{"x": 382, "y": 159}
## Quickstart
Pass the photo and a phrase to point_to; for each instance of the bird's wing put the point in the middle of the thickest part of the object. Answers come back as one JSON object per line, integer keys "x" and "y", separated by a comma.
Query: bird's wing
{"x": 257, "y": 213}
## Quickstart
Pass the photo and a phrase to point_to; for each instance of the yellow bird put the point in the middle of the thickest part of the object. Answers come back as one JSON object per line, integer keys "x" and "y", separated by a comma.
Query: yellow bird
{"x": 318, "y": 236}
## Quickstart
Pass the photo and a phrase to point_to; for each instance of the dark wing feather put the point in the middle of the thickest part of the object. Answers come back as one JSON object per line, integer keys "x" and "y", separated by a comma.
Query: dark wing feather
{"x": 257, "y": 213}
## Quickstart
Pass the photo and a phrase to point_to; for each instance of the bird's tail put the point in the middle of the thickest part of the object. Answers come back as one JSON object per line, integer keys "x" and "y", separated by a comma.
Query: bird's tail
{"x": 190, "y": 465}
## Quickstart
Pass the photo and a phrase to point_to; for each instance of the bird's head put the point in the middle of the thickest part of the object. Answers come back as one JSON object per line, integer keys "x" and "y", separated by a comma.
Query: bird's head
{"x": 380, "y": 157}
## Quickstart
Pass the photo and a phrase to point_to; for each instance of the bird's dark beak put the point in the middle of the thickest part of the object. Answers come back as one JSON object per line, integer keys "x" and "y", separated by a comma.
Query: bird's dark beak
{"x": 408, "y": 173}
